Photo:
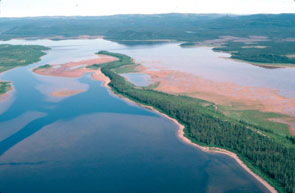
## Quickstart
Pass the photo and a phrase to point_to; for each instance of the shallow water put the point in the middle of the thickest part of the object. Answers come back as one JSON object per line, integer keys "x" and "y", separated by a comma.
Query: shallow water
{"x": 97, "y": 142}
{"x": 204, "y": 62}
{"x": 138, "y": 79}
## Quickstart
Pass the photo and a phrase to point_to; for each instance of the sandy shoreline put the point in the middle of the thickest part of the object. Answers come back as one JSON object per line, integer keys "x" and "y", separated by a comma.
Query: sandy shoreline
{"x": 98, "y": 75}
{"x": 67, "y": 70}
{"x": 73, "y": 69}
{"x": 180, "y": 134}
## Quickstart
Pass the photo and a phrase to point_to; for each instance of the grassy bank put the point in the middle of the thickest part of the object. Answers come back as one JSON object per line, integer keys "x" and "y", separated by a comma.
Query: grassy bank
{"x": 271, "y": 158}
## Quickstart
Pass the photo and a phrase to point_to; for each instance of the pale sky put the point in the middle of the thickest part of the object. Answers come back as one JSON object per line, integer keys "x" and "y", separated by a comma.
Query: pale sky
{"x": 21, "y": 8}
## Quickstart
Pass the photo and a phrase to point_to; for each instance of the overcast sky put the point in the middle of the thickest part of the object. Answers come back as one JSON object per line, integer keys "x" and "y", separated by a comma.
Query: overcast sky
{"x": 21, "y": 8}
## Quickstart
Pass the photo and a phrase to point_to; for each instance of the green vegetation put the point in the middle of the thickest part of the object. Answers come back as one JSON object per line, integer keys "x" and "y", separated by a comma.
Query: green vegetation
{"x": 126, "y": 69}
{"x": 12, "y": 56}
{"x": 135, "y": 30}
{"x": 270, "y": 52}
{"x": 4, "y": 87}
{"x": 258, "y": 118}
{"x": 43, "y": 67}
{"x": 272, "y": 158}
{"x": 181, "y": 27}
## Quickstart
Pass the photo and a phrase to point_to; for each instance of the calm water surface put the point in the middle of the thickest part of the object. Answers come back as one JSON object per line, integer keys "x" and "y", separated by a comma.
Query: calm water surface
{"x": 204, "y": 62}
{"x": 95, "y": 141}
{"x": 139, "y": 79}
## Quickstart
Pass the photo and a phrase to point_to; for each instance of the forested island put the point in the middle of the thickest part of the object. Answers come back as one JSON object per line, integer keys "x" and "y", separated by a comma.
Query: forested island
{"x": 270, "y": 156}
{"x": 267, "y": 53}
{"x": 12, "y": 56}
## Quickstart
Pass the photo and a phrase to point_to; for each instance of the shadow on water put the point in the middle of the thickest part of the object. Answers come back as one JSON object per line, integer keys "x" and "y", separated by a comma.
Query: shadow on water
{"x": 94, "y": 142}
{"x": 67, "y": 109}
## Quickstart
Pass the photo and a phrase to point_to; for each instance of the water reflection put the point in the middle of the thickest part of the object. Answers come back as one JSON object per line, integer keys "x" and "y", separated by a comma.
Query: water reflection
{"x": 97, "y": 142}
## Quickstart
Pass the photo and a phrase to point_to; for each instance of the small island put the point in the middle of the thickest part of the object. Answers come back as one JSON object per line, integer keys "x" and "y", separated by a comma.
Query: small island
{"x": 261, "y": 52}
{"x": 12, "y": 56}
{"x": 4, "y": 87}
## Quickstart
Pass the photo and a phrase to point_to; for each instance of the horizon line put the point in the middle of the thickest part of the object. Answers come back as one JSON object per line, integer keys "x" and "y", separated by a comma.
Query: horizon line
{"x": 122, "y": 14}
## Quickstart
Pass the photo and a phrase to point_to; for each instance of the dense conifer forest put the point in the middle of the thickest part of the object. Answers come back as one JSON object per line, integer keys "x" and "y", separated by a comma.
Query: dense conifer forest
{"x": 277, "y": 29}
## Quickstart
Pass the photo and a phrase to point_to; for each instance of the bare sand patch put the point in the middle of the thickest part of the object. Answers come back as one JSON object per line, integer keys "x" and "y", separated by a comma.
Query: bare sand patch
{"x": 74, "y": 69}
{"x": 65, "y": 93}
{"x": 98, "y": 75}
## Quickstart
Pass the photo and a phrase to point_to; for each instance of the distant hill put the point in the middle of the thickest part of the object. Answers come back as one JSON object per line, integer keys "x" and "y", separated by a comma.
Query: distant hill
{"x": 187, "y": 27}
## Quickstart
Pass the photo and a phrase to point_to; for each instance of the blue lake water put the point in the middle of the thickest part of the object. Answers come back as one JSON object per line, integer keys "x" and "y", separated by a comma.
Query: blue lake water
{"x": 97, "y": 142}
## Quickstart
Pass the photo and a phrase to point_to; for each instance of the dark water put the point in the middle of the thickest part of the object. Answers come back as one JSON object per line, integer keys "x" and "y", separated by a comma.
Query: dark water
{"x": 97, "y": 142}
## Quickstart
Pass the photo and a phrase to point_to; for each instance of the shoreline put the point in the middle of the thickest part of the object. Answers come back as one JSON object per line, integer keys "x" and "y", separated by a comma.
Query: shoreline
{"x": 181, "y": 136}
{"x": 261, "y": 64}
{"x": 8, "y": 93}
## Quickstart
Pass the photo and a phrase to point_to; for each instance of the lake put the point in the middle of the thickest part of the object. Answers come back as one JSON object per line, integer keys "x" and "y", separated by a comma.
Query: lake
{"x": 205, "y": 63}
{"x": 97, "y": 142}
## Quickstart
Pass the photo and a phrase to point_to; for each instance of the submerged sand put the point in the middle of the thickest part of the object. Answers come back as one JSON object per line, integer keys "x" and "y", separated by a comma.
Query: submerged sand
{"x": 66, "y": 70}
{"x": 222, "y": 93}
{"x": 65, "y": 93}
{"x": 74, "y": 69}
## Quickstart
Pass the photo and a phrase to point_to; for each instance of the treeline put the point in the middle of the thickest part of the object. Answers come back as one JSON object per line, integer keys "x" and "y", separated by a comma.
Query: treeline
{"x": 274, "y": 161}
{"x": 269, "y": 52}
{"x": 182, "y": 27}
